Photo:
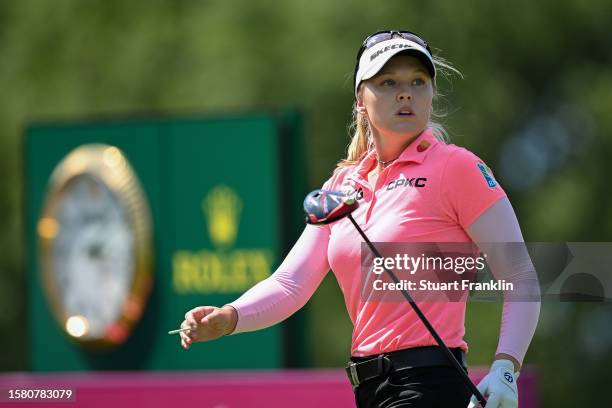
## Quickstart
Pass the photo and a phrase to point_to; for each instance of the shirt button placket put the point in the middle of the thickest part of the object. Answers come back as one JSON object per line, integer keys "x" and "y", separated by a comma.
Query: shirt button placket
{"x": 381, "y": 177}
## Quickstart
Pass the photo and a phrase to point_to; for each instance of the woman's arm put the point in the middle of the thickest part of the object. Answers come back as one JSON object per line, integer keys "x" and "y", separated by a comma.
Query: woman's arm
{"x": 276, "y": 298}
{"x": 492, "y": 231}
{"x": 269, "y": 301}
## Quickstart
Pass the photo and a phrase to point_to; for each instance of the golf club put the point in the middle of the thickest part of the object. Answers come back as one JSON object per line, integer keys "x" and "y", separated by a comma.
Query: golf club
{"x": 323, "y": 207}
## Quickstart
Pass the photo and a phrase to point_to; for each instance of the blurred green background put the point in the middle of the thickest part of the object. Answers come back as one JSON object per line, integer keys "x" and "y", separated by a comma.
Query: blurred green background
{"x": 534, "y": 103}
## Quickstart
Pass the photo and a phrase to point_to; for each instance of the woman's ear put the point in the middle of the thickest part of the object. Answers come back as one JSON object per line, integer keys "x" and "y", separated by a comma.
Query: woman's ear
{"x": 360, "y": 106}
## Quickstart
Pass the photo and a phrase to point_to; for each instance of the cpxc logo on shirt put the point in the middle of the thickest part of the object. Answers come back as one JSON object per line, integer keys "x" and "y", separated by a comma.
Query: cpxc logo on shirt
{"x": 487, "y": 174}
{"x": 407, "y": 182}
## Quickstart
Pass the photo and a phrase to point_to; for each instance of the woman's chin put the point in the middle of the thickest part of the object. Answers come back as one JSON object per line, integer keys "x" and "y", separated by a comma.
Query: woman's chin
{"x": 404, "y": 131}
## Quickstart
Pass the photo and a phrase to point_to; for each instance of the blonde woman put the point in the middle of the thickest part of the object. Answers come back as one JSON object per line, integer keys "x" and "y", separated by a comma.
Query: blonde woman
{"x": 411, "y": 187}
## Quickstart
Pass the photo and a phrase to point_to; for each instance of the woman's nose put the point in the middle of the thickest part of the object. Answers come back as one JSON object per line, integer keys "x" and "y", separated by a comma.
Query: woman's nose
{"x": 404, "y": 95}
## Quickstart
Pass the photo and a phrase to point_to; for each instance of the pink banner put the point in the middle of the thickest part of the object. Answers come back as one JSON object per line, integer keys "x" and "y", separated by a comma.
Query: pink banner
{"x": 222, "y": 389}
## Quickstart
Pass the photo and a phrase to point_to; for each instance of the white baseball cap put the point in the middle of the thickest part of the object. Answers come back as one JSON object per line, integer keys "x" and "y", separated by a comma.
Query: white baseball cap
{"x": 384, "y": 46}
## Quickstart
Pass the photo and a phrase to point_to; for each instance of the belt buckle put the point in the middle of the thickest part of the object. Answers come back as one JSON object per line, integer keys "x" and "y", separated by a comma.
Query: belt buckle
{"x": 354, "y": 376}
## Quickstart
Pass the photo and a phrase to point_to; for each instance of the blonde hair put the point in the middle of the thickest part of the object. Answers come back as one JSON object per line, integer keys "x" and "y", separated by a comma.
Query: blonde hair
{"x": 361, "y": 142}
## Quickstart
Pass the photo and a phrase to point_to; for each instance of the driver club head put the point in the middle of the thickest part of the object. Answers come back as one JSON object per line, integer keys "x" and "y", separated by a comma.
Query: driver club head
{"x": 324, "y": 206}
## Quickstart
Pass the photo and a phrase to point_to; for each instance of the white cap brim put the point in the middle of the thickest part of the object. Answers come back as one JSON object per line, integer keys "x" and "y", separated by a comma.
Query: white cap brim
{"x": 375, "y": 57}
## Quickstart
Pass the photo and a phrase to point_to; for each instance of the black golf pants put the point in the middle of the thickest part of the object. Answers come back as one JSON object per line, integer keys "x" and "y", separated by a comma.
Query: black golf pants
{"x": 430, "y": 387}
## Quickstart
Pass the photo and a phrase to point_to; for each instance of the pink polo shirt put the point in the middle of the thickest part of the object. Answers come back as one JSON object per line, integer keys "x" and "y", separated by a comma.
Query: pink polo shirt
{"x": 431, "y": 193}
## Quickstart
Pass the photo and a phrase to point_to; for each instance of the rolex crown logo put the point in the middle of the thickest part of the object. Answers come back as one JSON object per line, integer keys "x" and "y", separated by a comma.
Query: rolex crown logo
{"x": 222, "y": 207}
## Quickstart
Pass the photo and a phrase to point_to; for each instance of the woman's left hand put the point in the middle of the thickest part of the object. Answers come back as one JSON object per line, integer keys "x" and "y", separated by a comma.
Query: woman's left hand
{"x": 499, "y": 385}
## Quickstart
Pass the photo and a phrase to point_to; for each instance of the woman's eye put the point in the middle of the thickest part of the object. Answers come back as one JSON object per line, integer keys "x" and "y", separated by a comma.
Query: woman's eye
{"x": 388, "y": 82}
{"x": 418, "y": 81}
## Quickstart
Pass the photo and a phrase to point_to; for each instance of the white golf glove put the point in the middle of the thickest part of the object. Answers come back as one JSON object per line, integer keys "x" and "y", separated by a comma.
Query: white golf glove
{"x": 499, "y": 385}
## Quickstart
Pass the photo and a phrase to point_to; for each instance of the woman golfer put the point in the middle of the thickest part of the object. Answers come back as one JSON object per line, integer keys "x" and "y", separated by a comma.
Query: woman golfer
{"x": 411, "y": 186}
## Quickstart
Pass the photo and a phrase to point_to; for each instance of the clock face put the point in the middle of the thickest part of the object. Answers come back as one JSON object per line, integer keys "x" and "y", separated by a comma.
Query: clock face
{"x": 94, "y": 241}
{"x": 93, "y": 254}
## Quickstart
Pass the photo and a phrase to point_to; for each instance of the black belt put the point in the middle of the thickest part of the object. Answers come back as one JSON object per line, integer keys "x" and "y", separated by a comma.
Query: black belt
{"x": 367, "y": 368}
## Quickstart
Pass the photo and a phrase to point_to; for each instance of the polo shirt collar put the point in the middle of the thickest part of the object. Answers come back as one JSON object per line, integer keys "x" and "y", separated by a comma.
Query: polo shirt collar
{"x": 415, "y": 152}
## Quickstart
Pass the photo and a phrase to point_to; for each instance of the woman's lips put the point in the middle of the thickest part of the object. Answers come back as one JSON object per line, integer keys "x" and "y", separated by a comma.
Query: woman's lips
{"x": 404, "y": 112}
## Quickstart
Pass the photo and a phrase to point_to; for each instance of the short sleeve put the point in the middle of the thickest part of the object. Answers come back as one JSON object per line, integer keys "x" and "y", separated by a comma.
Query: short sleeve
{"x": 468, "y": 187}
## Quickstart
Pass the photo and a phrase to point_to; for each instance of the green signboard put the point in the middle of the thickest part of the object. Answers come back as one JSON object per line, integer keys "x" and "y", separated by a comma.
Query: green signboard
{"x": 131, "y": 223}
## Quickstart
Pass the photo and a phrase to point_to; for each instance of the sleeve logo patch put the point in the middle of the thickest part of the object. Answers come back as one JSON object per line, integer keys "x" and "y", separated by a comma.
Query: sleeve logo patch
{"x": 487, "y": 174}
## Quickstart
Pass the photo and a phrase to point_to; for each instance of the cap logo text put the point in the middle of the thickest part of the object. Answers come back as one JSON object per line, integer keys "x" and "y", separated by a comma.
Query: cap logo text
{"x": 387, "y": 48}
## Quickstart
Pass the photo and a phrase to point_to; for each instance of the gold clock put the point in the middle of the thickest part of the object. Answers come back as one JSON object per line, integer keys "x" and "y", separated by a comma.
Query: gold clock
{"x": 95, "y": 241}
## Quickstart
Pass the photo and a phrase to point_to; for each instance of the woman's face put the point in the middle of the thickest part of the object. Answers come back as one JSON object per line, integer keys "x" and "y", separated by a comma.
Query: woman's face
{"x": 397, "y": 100}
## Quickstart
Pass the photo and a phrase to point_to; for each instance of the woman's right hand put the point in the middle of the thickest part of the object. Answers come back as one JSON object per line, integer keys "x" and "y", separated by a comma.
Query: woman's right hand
{"x": 208, "y": 323}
